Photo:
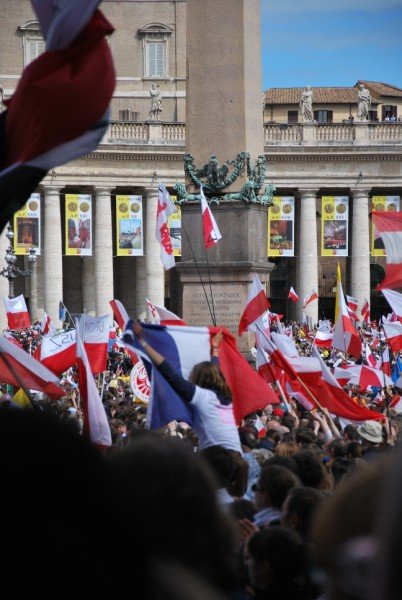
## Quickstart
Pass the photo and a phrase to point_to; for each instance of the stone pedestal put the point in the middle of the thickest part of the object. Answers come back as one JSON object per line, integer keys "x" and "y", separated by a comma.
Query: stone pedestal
{"x": 308, "y": 133}
{"x": 361, "y": 132}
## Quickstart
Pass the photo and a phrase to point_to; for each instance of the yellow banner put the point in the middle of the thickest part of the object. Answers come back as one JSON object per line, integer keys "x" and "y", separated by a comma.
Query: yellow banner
{"x": 27, "y": 226}
{"x": 281, "y": 225}
{"x": 129, "y": 226}
{"x": 174, "y": 222}
{"x": 335, "y": 225}
{"x": 382, "y": 203}
{"x": 78, "y": 225}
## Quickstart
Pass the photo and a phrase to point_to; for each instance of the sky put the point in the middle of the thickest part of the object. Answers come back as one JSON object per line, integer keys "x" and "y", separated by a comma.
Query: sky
{"x": 331, "y": 42}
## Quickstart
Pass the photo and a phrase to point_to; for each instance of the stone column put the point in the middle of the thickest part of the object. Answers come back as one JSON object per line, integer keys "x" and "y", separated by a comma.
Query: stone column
{"x": 103, "y": 279}
{"x": 52, "y": 253}
{"x": 32, "y": 285}
{"x": 140, "y": 287}
{"x": 3, "y": 280}
{"x": 308, "y": 257}
{"x": 155, "y": 275}
{"x": 88, "y": 285}
{"x": 360, "y": 255}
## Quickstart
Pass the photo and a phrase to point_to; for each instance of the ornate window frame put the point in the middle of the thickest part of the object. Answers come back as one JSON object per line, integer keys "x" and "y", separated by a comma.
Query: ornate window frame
{"x": 32, "y": 41}
{"x": 155, "y": 33}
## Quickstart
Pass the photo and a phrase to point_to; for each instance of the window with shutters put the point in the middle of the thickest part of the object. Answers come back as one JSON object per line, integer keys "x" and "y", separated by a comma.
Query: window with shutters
{"x": 155, "y": 43}
{"x": 33, "y": 42}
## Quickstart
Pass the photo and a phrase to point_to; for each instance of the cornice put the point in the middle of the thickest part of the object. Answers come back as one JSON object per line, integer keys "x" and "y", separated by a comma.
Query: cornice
{"x": 297, "y": 158}
{"x": 122, "y": 156}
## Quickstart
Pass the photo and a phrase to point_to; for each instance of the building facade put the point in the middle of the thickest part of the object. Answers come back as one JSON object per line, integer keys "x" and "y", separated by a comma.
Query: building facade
{"x": 333, "y": 158}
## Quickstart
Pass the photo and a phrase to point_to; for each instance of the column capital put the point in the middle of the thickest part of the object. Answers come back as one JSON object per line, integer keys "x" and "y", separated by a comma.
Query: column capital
{"x": 103, "y": 190}
{"x": 151, "y": 189}
{"x": 360, "y": 193}
{"x": 307, "y": 193}
{"x": 51, "y": 189}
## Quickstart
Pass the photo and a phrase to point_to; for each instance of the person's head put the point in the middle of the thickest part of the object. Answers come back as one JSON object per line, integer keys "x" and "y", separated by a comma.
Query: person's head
{"x": 340, "y": 468}
{"x": 242, "y": 509}
{"x": 286, "y": 448}
{"x": 350, "y": 433}
{"x": 273, "y": 486}
{"x": 299, "y": 508}
{"x": 309, "y": 469}
{"x": 209, "y": 376}
{"x": 248, "y": 435}
{"x": 229, "y": 468}
{"x": 304, "y": 436}
{"x": 274, "y": 556}
{"x": 337, "y": 448}
{"x": 371, "y": 433}
{"x": 354, "y": 450}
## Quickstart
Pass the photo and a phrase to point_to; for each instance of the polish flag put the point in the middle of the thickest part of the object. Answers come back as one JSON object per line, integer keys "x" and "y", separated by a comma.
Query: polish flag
{"x": 212, "y": 235}
{"x": 370, "y": 358}
{"x": 384, "y": 362}
{"x": 323, "y": 339}
{"x": 352, "y": 303}
{"x": 365, "y": 376}
{"x": 166, "y": 317}
{"x": 164, "y": 210}
{"x": 365, "y": 311}
{"x": 260, "y": 427}
{"x": 345, "y": 337}
{"x": 293, "y": 296}
{"x": 394, "y": 299}
{"x": 393, "y": 333}
{"x": 17, "y": 313}
{"x": 47, "y": 327}
{"x": 20, "y": 369}
{"x": 120, "y": 313}
{"x": 310, "y": 297}
{"x": 95, "y": 427}
{"x": 342, "y": 375}
{"x": 94, "y": 331}
{"x": 262, "y": 362}
{"x": 152, "y": 310}
{"x": 389, "y": 226}
{"x": 257, "y": 304}
{"x": 57, "y": 352}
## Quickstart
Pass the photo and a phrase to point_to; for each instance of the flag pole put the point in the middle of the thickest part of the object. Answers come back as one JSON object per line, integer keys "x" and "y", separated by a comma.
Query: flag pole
{"x": 210, "y": 289}
{"x": 198, "y": 271}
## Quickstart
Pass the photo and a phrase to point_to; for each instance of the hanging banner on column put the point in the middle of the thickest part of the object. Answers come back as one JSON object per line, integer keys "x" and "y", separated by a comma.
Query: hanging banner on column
{"x": 281, "y": 226}
{"x": 174, "y": 222}
{"x": 27, "y": 226}
{"x": 335, "y": 225}
{"x": 382, "y": 203}
{"x": 129, "y": 226}
{"x": 78, "y": 225}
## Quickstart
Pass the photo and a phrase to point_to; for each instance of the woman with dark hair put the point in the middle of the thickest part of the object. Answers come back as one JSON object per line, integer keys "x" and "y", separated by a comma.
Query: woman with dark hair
{"x": 206, "y": 391}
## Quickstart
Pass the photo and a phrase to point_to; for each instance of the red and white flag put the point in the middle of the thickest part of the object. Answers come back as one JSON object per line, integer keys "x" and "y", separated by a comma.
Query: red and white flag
{"x": 167, "y": 317}
{"x": 293, "y": 296}
{"x": 310, "y": 297}
{"x": 388, "y": 225}
{"x": 17, "y": 313}
{"x": 212, "y": 235}
{"x": 393, "y": 333}
{"x": 365, "y": 311}
{"x": 47, "y": 326}
{"x": 352, "y": 303}
{"x": 95, "y": 427}
{"x": 57, "y": 352}
{"x": 21, "y": 370}
{"x": 94, "y": 331}
{"x": 384, "y": 362}
{"x": 365, "y": 376}
{"x": 323, "y": 339}
{"x": 394, "y": 299}
{"x": 120, "y": 313}
{"x": 370, "y": 358}
{"x": 257, "y": 304}
{"x": 152, "y": 311}
{"x": 164, "y": 210}
{"x": 345, "y": 337}
{"x": 260, "y": 427}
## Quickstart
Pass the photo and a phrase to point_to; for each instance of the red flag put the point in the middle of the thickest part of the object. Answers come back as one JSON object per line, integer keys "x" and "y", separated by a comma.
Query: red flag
{"x": 96, "y": 427}
{"x": 120, "y": 313}
{"x": 293, "y": 296}
{"x": 212, "y": 235}
{"x": 393, "y": 333}
{"x": 370, "y": 358}
{"x": 95, "y": 335}
{"x": 20, "y": 369}
{"x": 257, "y": 304}
{"x": 17, "y": 313}
{"x": 310, "y": 297}
{"x": 57, "y": 352}
{"x": 394, "y": 299}
{"x": 345, "y": 337}
{"x": 389, "y": 227}
{"x": 167, "y": 317}
{"x": 352, "y": 303}
{"x": 323, "y": 339}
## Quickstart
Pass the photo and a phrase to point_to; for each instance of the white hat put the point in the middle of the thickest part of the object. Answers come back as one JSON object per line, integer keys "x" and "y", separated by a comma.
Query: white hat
{"x": 371, "y": 431}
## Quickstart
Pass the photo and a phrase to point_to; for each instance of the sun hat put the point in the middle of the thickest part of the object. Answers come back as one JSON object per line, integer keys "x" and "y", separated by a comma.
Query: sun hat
{"x": 371, "y": 431}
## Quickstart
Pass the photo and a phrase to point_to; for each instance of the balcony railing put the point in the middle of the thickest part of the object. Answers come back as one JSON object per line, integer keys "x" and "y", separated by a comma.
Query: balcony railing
{"x": 275, "y": 134}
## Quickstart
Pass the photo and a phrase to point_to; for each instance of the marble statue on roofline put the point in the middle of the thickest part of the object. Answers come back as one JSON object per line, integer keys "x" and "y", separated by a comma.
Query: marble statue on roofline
{"x": 364, "y": 103}
{"x": 306, "y": 105}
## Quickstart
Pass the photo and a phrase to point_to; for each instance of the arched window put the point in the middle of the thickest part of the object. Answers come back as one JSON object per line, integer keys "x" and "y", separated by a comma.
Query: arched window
{"x": 155, "y": 38}
{"x": 33, "y": 42}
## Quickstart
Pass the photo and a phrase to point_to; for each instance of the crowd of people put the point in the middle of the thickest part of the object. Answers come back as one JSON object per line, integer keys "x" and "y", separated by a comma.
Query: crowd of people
{"x": 291, "y": 504}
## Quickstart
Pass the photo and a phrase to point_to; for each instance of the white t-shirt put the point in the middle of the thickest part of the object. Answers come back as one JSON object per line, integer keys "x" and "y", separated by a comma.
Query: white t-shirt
{"x": 214, "y": 422}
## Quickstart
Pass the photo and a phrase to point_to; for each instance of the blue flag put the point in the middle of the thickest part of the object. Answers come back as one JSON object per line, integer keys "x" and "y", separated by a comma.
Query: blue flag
{"x": 397, "y": 371}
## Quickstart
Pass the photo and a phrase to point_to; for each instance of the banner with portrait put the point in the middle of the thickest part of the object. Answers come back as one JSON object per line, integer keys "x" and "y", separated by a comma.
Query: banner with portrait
{"x": 281, "y": 226}
{"x": 174, "y": 222}
{"x": 129, "y": 226}
{"x": 27, "y": 226}
{"x": 382, "y": 203}
{"x": 334, "y": 226}
{"x": 78, "y": 225}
